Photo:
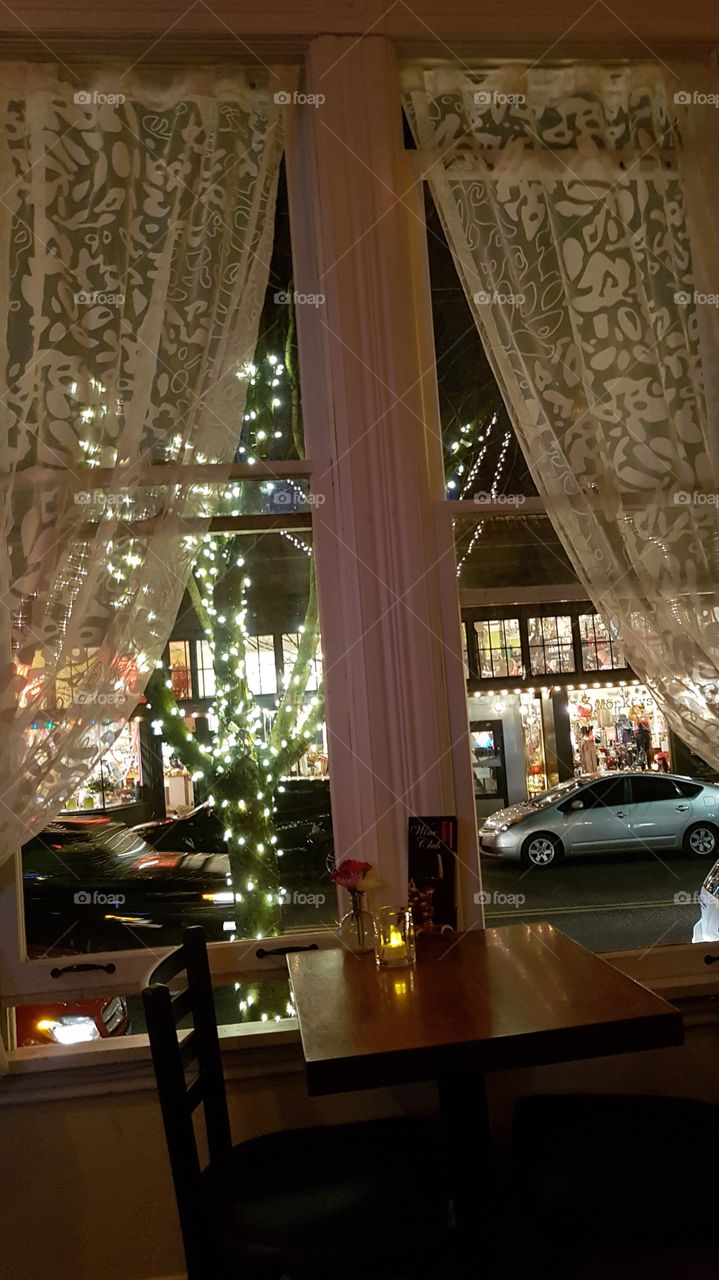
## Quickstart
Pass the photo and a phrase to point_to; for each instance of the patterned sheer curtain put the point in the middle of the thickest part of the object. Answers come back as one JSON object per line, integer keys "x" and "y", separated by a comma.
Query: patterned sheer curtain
{"x": 573, "y": 206}
{"x": 136, "y": 219}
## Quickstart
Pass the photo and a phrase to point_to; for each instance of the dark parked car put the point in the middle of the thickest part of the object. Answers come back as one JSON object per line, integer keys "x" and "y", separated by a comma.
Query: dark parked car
{"x": 303, "y": 824}
{"x": 100, "y": 887}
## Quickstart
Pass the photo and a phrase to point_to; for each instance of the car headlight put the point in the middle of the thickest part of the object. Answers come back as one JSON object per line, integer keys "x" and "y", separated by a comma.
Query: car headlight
{"x": 69, "y": 1029}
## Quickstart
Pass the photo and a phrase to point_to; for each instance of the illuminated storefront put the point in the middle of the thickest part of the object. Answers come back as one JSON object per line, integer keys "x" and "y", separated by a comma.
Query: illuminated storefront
{"x": 117, "y": 779}
{"x": 530, "y": 709}
{"x": 625, "y": 724}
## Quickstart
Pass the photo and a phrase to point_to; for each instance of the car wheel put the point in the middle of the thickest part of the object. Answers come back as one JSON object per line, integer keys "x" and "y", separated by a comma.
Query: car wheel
{"x": 702, "y": 840}
{"x": 542, "y": 850}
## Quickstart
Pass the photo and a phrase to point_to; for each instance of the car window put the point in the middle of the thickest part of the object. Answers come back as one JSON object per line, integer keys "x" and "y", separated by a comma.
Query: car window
{"x": 688, "y": 789}
{"x": 556, "y": 793}
{"x": 647, "y": 789}
{"x": 608, "y": 791}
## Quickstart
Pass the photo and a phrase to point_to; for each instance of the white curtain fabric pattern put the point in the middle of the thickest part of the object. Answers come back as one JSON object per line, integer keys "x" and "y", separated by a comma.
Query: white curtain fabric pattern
{"x": 136, "y": 222}
{"x": 570, "y": 200}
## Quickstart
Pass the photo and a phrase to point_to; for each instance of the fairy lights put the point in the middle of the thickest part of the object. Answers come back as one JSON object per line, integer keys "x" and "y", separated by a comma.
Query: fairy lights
{"x": 252, "y": 749}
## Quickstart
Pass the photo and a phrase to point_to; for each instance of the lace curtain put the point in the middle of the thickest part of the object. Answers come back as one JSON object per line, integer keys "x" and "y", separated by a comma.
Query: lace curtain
{"x": 572, "y": 202}
{"x": 135, "y": 237}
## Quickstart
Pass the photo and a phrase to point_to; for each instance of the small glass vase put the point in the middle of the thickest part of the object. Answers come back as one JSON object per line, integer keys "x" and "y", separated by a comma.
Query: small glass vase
{"x": 356, "y": 929}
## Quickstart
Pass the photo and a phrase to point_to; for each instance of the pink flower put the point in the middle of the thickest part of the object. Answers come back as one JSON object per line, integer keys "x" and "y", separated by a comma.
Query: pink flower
{"x": 350, "y": 873}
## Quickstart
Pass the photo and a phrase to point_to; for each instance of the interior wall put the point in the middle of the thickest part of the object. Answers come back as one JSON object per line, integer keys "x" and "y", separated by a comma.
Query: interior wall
{"x": 85, "y": 1186}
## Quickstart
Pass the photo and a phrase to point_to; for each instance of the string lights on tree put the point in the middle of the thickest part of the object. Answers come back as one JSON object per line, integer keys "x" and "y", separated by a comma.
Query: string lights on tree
{"x": 242, "y": 769}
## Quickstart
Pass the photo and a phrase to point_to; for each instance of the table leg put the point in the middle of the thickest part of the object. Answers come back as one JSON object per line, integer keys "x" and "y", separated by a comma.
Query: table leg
{"x": 465, "y": 1125}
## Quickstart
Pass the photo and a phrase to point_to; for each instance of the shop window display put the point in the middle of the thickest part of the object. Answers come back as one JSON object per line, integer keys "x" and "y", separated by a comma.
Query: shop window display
{"x": 180, "y": 670}
{"x": 621, "y": 727}
{"x": 533, "y": 744}
{"x": 550, "y": 645}
{"x": 500, "y": 648}
{"x": 118, "y": 776}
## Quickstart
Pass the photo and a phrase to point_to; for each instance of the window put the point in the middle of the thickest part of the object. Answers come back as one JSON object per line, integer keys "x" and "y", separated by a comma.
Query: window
{"x": 600, "y": 651}
{"x": 261, "y": 665}
{"x": 180, "y": 670}
{"x": 647, "y": 789}
{"x": 550, "y": 645}
{"x": 205, "y": 670}
{"x": 506, "y": 551}
{"x": 93, "y": 887}
{"x": 117, "y": 779}
{"x": 260, "y": 774}
{"x": 604, "y": 794}
{"x": 688, "y": 789}
{"x": 500, "y": 649}
{"x": 481, "y": 458}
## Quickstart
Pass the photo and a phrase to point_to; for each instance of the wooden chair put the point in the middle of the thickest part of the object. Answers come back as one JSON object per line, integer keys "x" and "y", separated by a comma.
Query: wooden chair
{"x": 336, "y": 1200}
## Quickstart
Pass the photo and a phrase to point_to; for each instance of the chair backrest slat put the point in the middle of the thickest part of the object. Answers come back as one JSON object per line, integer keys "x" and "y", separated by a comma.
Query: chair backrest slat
{"x": 172, "y": 1053}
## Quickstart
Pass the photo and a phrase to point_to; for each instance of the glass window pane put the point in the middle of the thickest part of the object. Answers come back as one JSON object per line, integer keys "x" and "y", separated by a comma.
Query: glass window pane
{"x": 179, "y": 658}
{"x": 272, "y": 427}
{"x": 260, "y": 665}
{"x": 116, "y": 781}
{"x": 607, "y": 794}
{"x": 508, "y": 554}
{"x": 205, "y": 671}
{"x": 255, "y": 769}
{"x": 646, "y": 790}
{"x": 550, "y": 645}
{"x": 600, "y": 652}
{"x": 500, "y": 650}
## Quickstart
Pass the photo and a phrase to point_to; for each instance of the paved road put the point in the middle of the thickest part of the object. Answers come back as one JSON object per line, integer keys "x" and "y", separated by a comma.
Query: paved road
{"x": 606, "y": 904}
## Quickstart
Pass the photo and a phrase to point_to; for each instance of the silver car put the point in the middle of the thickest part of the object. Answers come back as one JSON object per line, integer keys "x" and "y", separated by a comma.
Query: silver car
{"x": 603, "y": 813}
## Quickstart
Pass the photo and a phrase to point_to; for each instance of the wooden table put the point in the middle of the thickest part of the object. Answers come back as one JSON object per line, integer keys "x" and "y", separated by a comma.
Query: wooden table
{"x": 486, "y": 1000}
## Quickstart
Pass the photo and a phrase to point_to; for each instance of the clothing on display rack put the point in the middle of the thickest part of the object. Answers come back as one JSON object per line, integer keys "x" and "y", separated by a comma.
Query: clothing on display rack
{"x": 588, "y": 753}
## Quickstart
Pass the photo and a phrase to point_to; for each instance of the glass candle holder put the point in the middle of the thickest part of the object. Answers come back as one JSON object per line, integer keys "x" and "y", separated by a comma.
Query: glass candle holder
{"x": 394, "y": 945}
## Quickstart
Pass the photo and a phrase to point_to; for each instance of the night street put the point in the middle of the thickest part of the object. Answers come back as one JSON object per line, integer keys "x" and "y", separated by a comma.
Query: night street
{"x": 606, "y": 904}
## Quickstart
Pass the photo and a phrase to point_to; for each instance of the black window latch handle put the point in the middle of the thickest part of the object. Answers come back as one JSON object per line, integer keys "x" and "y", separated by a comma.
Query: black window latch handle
{"x": 82, "y": 968}
{"x": 262, "y": 953}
